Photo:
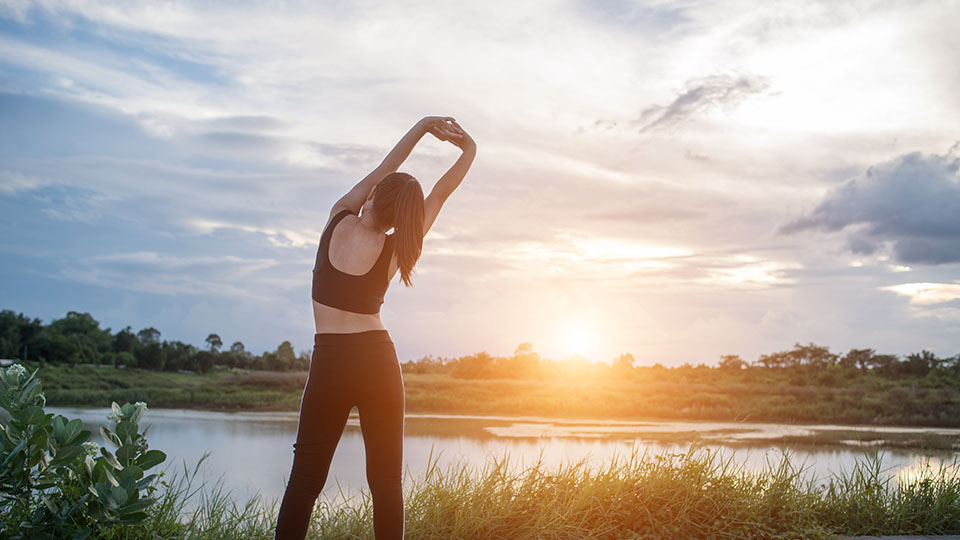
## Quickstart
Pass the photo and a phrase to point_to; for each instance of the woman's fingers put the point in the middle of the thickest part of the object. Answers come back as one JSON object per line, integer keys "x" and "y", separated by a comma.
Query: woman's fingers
{"x": 448, "y": 131}
{"x": 457, "y": 126}
{"x": 446, "y": 128}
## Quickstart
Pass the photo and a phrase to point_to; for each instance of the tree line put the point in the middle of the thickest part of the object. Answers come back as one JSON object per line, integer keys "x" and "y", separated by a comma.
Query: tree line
{"x": 806, "y": 364}
{"x": 78, "y": 339}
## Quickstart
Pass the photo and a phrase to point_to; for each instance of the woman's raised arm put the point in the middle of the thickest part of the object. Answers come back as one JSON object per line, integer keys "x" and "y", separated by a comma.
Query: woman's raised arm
{"x": 451, "y": 179}
{"x": 354, "y": 199}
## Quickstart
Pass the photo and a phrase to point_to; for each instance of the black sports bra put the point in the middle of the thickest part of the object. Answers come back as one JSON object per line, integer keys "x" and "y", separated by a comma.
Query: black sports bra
{"x": 350, "y": 292}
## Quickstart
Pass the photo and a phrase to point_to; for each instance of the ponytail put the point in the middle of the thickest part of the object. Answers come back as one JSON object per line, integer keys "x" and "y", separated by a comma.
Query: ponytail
{"x": 398, "y": 202}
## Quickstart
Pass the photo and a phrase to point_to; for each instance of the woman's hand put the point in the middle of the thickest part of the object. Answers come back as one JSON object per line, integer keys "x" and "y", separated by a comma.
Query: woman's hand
{"x": 432, "y": 124}
{"x": 441, "y": 127}
{"x": 447, "y": 129}
{"x": 462, "y": 139}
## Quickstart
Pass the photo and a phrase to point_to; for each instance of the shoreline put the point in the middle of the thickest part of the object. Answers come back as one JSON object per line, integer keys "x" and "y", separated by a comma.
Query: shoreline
{"x": 708, "y": 432}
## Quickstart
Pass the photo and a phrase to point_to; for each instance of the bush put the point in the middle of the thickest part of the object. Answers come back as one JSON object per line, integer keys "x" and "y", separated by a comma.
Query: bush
{"x": 126, "y": 359}
{"x": 54, "y": 481}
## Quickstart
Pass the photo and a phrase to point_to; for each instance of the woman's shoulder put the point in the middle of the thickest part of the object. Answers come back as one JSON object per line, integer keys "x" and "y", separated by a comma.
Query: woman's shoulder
{"x": 341, "y": 212}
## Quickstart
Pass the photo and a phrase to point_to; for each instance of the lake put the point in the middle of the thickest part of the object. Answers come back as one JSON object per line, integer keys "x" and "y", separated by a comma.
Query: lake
{"x": 253, "y": 451}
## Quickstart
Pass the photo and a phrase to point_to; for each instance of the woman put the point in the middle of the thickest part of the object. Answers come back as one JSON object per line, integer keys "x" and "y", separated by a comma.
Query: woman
{"x": 354, "y": 361}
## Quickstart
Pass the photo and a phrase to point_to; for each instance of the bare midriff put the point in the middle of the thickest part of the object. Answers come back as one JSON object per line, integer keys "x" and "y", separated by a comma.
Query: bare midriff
{"x": 330, "y": 320}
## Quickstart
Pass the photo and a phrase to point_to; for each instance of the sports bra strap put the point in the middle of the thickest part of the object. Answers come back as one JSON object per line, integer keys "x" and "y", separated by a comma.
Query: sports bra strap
{"x": 337, "y": 218}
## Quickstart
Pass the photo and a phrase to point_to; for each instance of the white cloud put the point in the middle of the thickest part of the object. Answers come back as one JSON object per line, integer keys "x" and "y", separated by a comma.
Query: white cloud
{"x": 927, "y": 293}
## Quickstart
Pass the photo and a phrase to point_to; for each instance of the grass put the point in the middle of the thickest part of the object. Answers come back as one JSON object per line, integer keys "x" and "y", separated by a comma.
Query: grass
{"x": 693, "y": 495}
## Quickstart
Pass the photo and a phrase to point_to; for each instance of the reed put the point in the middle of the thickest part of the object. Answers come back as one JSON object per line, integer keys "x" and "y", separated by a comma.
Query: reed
{"x": 693, "y": 495}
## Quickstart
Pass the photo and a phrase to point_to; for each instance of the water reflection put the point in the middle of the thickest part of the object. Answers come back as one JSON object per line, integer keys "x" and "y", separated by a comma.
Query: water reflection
{"x": 253, "y": 451}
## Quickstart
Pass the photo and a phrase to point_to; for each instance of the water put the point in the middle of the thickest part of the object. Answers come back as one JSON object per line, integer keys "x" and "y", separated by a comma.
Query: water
{"x": 253, "y": 451}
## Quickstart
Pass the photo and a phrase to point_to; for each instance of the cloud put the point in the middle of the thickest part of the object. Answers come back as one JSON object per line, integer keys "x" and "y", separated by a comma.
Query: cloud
{"x": 701, "y": 96}
{"x": 12, "y": 181}
{"x": 158, "y": 273}
{"x": 927, "y": 293}
{"x": 246, "y": 123}
{"x": 910, "y": 203}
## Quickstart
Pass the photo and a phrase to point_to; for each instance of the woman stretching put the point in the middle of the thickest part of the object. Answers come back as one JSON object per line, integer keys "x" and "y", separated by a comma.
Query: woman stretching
{"x": 354, "y": 362}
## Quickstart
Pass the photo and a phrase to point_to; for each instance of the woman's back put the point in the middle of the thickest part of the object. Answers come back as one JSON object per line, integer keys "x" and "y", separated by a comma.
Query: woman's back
{"x": 354, "y": 262}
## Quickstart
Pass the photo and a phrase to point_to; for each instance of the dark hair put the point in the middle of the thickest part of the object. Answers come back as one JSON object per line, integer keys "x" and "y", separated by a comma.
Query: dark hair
{"x": 398, "y": 203}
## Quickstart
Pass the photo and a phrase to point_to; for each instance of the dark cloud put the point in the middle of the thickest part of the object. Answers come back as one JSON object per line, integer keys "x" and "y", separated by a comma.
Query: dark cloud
{"x": 911, "y": 203}
{"x": 239, "y": 140}
{"x": 700, "y": 96}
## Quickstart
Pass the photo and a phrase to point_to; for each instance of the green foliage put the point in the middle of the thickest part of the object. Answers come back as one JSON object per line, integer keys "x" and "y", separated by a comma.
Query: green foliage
{"x": 15, "y": 331}
{"x": 54, "y": 481}
{"x": 78, "y": 339}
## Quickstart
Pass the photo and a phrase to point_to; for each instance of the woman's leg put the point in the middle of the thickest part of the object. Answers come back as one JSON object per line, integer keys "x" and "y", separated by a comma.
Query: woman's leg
{"x": 381, "y": 422}
{"x": 324, "y": 408}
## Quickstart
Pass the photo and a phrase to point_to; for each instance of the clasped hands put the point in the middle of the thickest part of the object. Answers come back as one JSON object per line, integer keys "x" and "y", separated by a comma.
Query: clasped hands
{"x": 447, "y": 129}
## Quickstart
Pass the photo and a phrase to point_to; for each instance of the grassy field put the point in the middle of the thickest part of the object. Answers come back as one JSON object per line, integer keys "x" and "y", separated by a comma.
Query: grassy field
{"x": 693, "y": 495}
{"x": 866, "y": 401}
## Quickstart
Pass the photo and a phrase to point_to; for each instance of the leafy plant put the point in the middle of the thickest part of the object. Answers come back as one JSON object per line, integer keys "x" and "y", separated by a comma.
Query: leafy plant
{"x": 57, "y": 483}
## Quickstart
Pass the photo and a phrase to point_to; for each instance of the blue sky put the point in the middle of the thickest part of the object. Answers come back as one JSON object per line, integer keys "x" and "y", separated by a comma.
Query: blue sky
{"x": 674, "y": 179}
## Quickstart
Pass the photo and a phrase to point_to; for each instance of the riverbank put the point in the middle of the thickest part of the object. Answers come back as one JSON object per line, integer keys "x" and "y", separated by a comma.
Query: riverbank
{"x": 666, "y": 496}
{"x": 870, "y": 401}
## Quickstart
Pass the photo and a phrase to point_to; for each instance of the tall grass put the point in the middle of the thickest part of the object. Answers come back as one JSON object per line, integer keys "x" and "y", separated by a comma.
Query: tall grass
{"x": 693, "y": 495}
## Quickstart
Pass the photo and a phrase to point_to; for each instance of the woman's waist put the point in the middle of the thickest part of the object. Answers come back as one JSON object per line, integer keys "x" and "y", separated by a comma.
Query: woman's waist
{"x": 352, "y": 339}
{"x": 331, "y": 320}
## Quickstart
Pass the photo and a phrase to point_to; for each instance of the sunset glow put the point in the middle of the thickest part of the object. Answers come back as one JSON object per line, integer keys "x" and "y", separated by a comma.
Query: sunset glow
{"x": 578, "y": 339}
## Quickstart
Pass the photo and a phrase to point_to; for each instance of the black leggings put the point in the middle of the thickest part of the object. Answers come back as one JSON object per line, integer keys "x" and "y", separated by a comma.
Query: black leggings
{"x": 348, "y": 370}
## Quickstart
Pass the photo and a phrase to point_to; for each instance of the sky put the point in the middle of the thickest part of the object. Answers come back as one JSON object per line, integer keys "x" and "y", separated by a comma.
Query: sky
{"x": 678, "y": 180}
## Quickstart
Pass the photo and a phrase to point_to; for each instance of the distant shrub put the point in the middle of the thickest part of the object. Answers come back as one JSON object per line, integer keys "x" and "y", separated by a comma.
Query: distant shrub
{"x": 126, "y": 359}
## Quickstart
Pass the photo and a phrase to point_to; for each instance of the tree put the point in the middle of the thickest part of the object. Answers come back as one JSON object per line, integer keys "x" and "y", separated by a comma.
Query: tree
{"x": 884, "y": 364}
{"x": 214, "y": 342}
{"x": 814, "y": 356}
{"x": 523, "y": 363}
{"x": 125, "y": 341}
{"x": 286, "y": 357}
{"x": 53, "y": 346}
{"x": 16, "y": 331}
{"x": 149, "y": 335}
{"x": 151, "y": 356}
{"x": 774, "y": 360}
{"x": 179, "y": 355}
{"x": 238, "y": 348}
{"x": 625, "y": 362}
{"x": 858, "y": 358}
{"x": 475, "y": 366}
{"x": 523, "y": 348}
{"x": 204, "y": 361}
{"x": 921, "y": 363}
{"x": 811, "y": 355}
{"x": 732, "y": 362}
{"x": 84, "y": 332}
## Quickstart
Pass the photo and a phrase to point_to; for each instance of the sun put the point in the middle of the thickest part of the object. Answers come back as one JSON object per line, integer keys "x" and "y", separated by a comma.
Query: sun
{"x": 577, "y": 338}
